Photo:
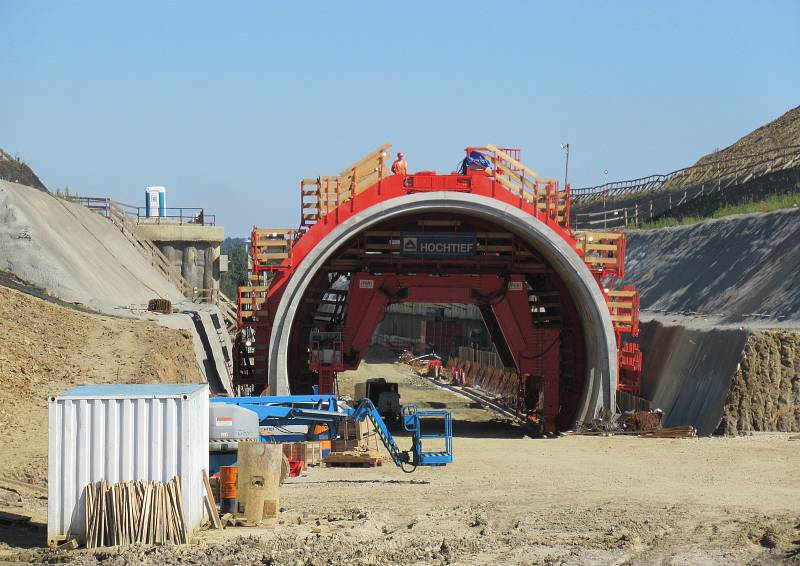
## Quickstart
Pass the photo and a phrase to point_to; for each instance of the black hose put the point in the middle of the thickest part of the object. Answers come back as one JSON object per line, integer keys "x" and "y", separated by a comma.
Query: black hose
{"x": 408, "y": 467}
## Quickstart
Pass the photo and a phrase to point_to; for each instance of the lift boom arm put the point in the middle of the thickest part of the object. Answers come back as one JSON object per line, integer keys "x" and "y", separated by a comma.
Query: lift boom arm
{"x": 311, "y": 410}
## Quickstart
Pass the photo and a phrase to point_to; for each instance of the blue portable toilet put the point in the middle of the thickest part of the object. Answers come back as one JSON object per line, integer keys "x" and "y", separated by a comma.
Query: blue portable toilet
{"x": 155, "y": 201}
{"x": 162, "y": 202}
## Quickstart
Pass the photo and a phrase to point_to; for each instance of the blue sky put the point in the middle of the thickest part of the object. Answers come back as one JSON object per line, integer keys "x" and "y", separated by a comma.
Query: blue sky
{"x": 230, "y": 104}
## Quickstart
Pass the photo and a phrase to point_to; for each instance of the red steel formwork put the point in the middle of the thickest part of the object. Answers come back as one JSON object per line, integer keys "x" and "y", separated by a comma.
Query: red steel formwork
{"x": 535, "y": 338}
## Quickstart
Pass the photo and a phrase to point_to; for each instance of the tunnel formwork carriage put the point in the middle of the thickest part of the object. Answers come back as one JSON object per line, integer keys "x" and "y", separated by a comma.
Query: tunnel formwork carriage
{"x": 493, "y": 235}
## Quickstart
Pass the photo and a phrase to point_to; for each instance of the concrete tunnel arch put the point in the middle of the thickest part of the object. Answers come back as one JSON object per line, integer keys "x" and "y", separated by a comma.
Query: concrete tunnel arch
{"x": 600, "y": 381}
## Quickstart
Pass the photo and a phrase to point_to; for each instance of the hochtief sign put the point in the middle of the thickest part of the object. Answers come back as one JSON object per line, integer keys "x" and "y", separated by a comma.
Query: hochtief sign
{"x": 437, "y": 244}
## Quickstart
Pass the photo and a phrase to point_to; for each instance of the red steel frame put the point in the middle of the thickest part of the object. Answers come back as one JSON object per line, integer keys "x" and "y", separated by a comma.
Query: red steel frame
{"x": 535, "y": 349}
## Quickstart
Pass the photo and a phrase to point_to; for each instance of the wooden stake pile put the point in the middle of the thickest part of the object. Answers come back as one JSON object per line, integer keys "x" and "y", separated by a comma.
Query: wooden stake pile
{"x": 127, "y": 512}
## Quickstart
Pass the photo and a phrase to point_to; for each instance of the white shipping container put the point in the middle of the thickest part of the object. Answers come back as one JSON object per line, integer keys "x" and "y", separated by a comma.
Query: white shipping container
{"x": 120, "y": 433}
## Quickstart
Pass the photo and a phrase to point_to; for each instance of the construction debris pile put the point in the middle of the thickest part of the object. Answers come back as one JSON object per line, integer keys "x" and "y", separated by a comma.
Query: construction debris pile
{"x": 419, "y": 366}
{"x": 645, "y": 424}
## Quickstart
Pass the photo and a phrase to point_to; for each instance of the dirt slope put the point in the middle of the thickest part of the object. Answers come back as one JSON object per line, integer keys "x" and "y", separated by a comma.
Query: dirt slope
{"x": 765, "y": 394}
{"x": 781, "y": 132}
{"x": 46, "y": 349}
{"x": 17, "y": 171}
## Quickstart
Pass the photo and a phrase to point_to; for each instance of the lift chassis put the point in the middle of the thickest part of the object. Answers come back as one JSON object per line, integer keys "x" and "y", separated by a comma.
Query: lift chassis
{"x": 278, "y": 414}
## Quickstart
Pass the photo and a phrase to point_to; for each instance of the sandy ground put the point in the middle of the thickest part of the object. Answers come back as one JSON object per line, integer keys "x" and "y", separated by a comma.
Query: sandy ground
{"x": 46, "y": 349}
{"x": 510, "y": 499}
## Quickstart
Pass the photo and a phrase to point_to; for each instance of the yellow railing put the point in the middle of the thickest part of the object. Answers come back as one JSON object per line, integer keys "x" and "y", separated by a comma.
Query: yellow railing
{"x": 321, "y": 195}
{"x": 525, "y": 183}
{"x": 271, "y": 246}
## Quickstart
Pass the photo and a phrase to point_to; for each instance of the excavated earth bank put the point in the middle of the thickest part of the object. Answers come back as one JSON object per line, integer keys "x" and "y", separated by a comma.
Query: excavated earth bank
{"x": 765, "y": 394}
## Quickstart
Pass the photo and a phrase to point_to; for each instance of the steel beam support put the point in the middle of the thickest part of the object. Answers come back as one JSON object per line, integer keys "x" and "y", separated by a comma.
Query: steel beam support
{"x": 536, "y": 350}
{"x": 366, "y": 305}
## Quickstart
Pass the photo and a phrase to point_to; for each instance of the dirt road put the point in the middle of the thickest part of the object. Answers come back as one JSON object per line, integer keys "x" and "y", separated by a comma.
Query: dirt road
{"x": 510, "y": 499}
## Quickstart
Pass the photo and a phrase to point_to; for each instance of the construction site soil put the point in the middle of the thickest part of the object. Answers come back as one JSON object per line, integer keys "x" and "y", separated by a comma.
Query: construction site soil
{"x": 511, "y": 499}
{"x": 765, "y": 393}
{"x": 781, "y": 132}
{"x": 46, "y": 349}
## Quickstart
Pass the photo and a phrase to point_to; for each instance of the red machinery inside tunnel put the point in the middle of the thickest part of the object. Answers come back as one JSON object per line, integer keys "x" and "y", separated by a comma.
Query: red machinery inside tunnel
{"x": 437, "y": 257}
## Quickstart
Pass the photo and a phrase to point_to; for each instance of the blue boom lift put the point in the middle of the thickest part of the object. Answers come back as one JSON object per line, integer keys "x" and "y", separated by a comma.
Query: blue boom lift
{"x": 283, "y": 416}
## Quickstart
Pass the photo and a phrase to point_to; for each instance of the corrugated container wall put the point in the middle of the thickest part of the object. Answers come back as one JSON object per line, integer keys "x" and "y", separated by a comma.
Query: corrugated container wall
{"x": 124, "y": 432}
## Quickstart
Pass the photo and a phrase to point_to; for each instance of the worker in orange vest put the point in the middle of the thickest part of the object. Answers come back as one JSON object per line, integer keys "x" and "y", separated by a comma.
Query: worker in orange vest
{"x": 400, "y": 167}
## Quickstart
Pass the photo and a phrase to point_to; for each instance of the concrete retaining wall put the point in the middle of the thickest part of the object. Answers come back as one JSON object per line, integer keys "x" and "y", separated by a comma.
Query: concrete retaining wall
{"x": 688, "y": 372}
{"x": 193, "y": 249}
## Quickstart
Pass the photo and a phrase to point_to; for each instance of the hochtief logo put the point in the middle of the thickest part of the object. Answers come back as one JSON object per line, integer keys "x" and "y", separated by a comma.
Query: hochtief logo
{"x": 410, "y": 244}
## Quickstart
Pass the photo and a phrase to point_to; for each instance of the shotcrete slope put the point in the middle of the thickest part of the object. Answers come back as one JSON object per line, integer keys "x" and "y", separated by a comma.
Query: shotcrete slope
{"x": 737, "y": 269}
{"x": 712, "y": 296}
{"x": 74, "y": 253}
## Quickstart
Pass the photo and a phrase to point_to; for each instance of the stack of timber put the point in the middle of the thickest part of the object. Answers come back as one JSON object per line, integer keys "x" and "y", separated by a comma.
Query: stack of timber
{"x": 687, "y": 431}
{"x": 148, "y": 512}
{"x": 310, "y": 453}
{"x": 357, "y": 447}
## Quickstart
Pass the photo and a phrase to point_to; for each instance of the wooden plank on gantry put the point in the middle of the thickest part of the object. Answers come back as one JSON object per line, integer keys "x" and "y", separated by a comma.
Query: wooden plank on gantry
{"x": 600, "y": 260}
{"x": 622, "y": 293}
{"x": 366, "y": 159}
{"x": 268, "y": 232}
{"x": 513, "y": 180}
{"x": 508, "y": 159}
{"x": 382, "y": 234}
{"x": 268, "y": 256}
{"x": 600, "y": 247}
{"x": 597, "y": 235}
{"x": 494, "y": 248}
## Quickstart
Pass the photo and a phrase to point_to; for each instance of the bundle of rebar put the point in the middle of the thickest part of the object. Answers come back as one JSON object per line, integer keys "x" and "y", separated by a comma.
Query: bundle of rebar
{"x": 149, "y": 512}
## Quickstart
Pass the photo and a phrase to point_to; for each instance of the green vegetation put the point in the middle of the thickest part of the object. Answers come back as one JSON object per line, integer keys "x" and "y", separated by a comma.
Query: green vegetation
{"x": 236, "y": 276}
{"x": 64, "y": 194}
{"x": 774, "y": 202}
{"x": 15, "y": 169}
